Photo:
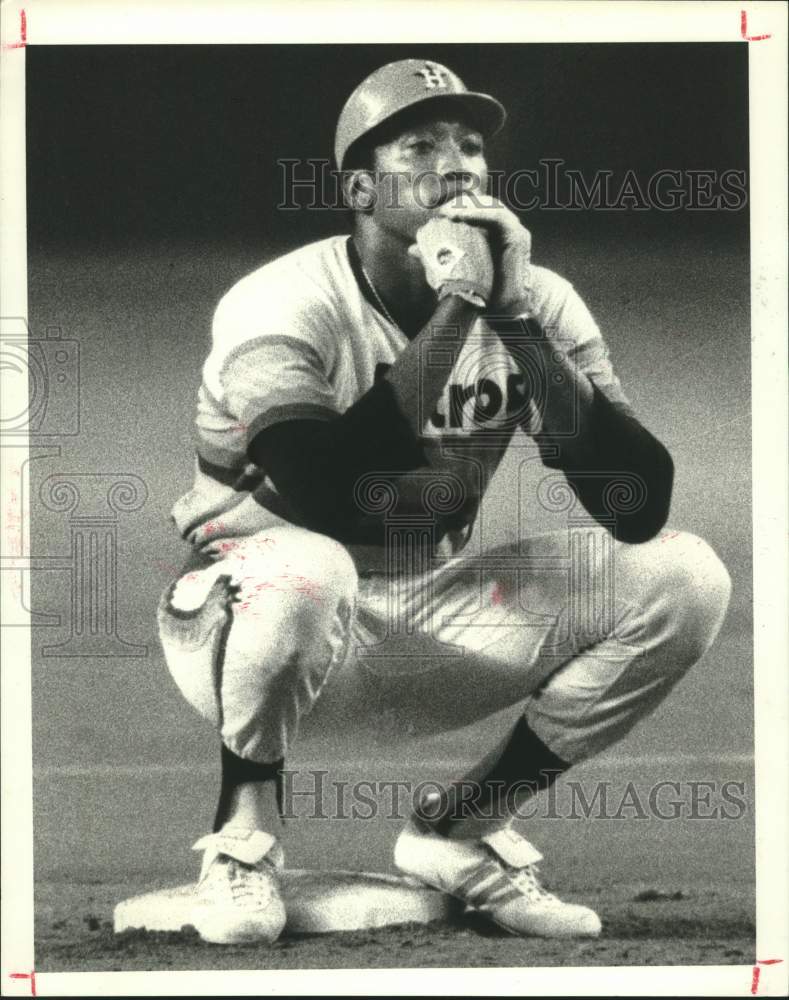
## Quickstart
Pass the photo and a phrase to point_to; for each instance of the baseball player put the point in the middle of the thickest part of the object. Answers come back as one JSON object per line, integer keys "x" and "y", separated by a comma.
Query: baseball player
{"x": 358, "y": 396}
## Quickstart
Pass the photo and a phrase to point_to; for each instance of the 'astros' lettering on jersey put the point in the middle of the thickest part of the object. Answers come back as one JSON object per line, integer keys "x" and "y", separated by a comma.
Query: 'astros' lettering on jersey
{"x": 299, "y": 338}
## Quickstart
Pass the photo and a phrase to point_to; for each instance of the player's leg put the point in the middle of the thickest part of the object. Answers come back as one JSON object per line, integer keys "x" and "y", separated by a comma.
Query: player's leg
{"x": 592, "y": 639}
{"x": 250, "y": 793}
{"x": 597, "y": 648}
{"x": 633, "y": 620}
{"x": 250, "y": 639}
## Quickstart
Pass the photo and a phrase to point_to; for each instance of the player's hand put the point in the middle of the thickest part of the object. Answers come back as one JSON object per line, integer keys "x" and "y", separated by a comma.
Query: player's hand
{"x": 456, "y": 258}
{"x": 510, "y": 244}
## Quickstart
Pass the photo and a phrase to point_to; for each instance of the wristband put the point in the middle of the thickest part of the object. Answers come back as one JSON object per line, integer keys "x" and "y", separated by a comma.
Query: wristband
{"x": 463, "y": 291}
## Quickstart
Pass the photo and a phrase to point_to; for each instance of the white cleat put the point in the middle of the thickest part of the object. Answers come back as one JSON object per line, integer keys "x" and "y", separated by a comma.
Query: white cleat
{"x": 495, "y": 876}
{"x": 238, "y": 899}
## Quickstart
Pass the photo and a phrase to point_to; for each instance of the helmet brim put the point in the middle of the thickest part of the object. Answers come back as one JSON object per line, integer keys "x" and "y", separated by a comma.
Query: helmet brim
{"x": 486, "y": 114}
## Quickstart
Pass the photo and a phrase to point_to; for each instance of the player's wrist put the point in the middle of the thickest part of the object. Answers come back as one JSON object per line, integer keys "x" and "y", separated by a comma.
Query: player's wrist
{"x": 454, "y": 308}
{"x": 456, "y": 259}
{"x": 464, "y": 291}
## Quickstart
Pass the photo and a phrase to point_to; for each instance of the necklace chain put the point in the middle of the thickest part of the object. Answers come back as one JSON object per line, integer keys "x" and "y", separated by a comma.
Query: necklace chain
{"x": 378, "y": 298}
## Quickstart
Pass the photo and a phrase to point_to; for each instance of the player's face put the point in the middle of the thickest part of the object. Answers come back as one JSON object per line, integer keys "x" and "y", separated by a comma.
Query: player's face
{"x": 424, "y": 166}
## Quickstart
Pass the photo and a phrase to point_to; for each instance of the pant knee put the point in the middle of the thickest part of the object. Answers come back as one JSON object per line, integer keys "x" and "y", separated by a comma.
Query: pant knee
{"x": 291, "y": 628}
{"x": 691, "y": 589}
{"x": 700, "y": 587}
{"x": 293, "y": 562}
{"x": 674, "y": 594}
{"x": 293, "y": 609}
{"x": 271, "y": 616}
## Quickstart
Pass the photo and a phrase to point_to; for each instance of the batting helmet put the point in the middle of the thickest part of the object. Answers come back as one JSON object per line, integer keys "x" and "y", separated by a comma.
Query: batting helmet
{"x": 402, "y": 84}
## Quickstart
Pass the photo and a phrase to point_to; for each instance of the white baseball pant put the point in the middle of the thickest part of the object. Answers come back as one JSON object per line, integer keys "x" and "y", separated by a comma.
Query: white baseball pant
{"x": 587, "y": 634}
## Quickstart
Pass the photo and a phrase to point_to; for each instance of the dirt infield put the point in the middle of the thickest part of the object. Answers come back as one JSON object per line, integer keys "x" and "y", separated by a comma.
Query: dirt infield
{"x": 642, "y": 926}
{"x": 669, "y": 892}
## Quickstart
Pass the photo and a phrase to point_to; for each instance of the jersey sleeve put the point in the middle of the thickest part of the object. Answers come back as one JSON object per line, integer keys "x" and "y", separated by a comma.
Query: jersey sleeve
{"x": 271, "y": 360}
{"x": 565, "y": 316}
{"x": 615, "y": 443}
{"x": 276, "y": 378}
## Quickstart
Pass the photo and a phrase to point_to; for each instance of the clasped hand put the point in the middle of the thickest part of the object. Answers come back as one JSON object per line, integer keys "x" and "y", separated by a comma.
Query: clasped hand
{"x": 476, "y": 246}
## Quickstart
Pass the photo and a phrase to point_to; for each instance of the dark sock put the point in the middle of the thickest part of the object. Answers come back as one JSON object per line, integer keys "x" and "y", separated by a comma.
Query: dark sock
{"x": 525, "y": 766}
{"x": 238, "y": 771}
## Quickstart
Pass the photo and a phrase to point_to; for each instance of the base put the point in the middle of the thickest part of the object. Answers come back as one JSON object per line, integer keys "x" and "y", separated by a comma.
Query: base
{"x": 316, "y": 902}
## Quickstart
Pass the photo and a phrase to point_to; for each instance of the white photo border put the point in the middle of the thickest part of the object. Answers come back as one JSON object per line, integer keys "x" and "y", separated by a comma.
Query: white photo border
{"x": 762, "y": 26}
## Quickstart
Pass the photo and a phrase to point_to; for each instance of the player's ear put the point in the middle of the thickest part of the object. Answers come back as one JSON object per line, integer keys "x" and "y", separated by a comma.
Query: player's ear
{"x": 359, "y": 190}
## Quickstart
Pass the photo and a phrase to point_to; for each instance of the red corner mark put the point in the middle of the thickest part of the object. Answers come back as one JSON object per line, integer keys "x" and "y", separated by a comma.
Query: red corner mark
{"x": 22, "y": 33}
{"x": 757, "y": 971}
{"x": 26, "y": 975}
{"x": 744, "y": 29}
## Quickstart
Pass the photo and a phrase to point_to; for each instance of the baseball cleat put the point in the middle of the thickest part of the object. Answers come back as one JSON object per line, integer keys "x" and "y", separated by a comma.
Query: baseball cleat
{"x": 495, "y": 876}
{"x": 238, "y": 899}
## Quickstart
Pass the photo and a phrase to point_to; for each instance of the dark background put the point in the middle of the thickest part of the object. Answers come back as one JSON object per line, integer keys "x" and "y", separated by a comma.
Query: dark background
{"x": 152, "y": 187}
{"x": 163, "y": 143}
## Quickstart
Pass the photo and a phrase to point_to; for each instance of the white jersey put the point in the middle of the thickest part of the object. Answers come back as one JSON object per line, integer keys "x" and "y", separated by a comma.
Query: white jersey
{"x": 302, "y": 337}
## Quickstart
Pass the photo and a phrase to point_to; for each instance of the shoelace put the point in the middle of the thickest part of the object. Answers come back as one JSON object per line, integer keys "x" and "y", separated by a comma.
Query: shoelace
{"x": 244, "y": 881}
{"x": 527, "y": 880}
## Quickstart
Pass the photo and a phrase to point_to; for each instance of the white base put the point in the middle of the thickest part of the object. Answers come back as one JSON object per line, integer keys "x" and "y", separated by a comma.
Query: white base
{"x": 316, "y": 903}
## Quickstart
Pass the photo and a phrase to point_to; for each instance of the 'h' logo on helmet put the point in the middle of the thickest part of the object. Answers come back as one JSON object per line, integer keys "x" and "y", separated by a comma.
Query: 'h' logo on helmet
{"x": 434, "y": 76}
